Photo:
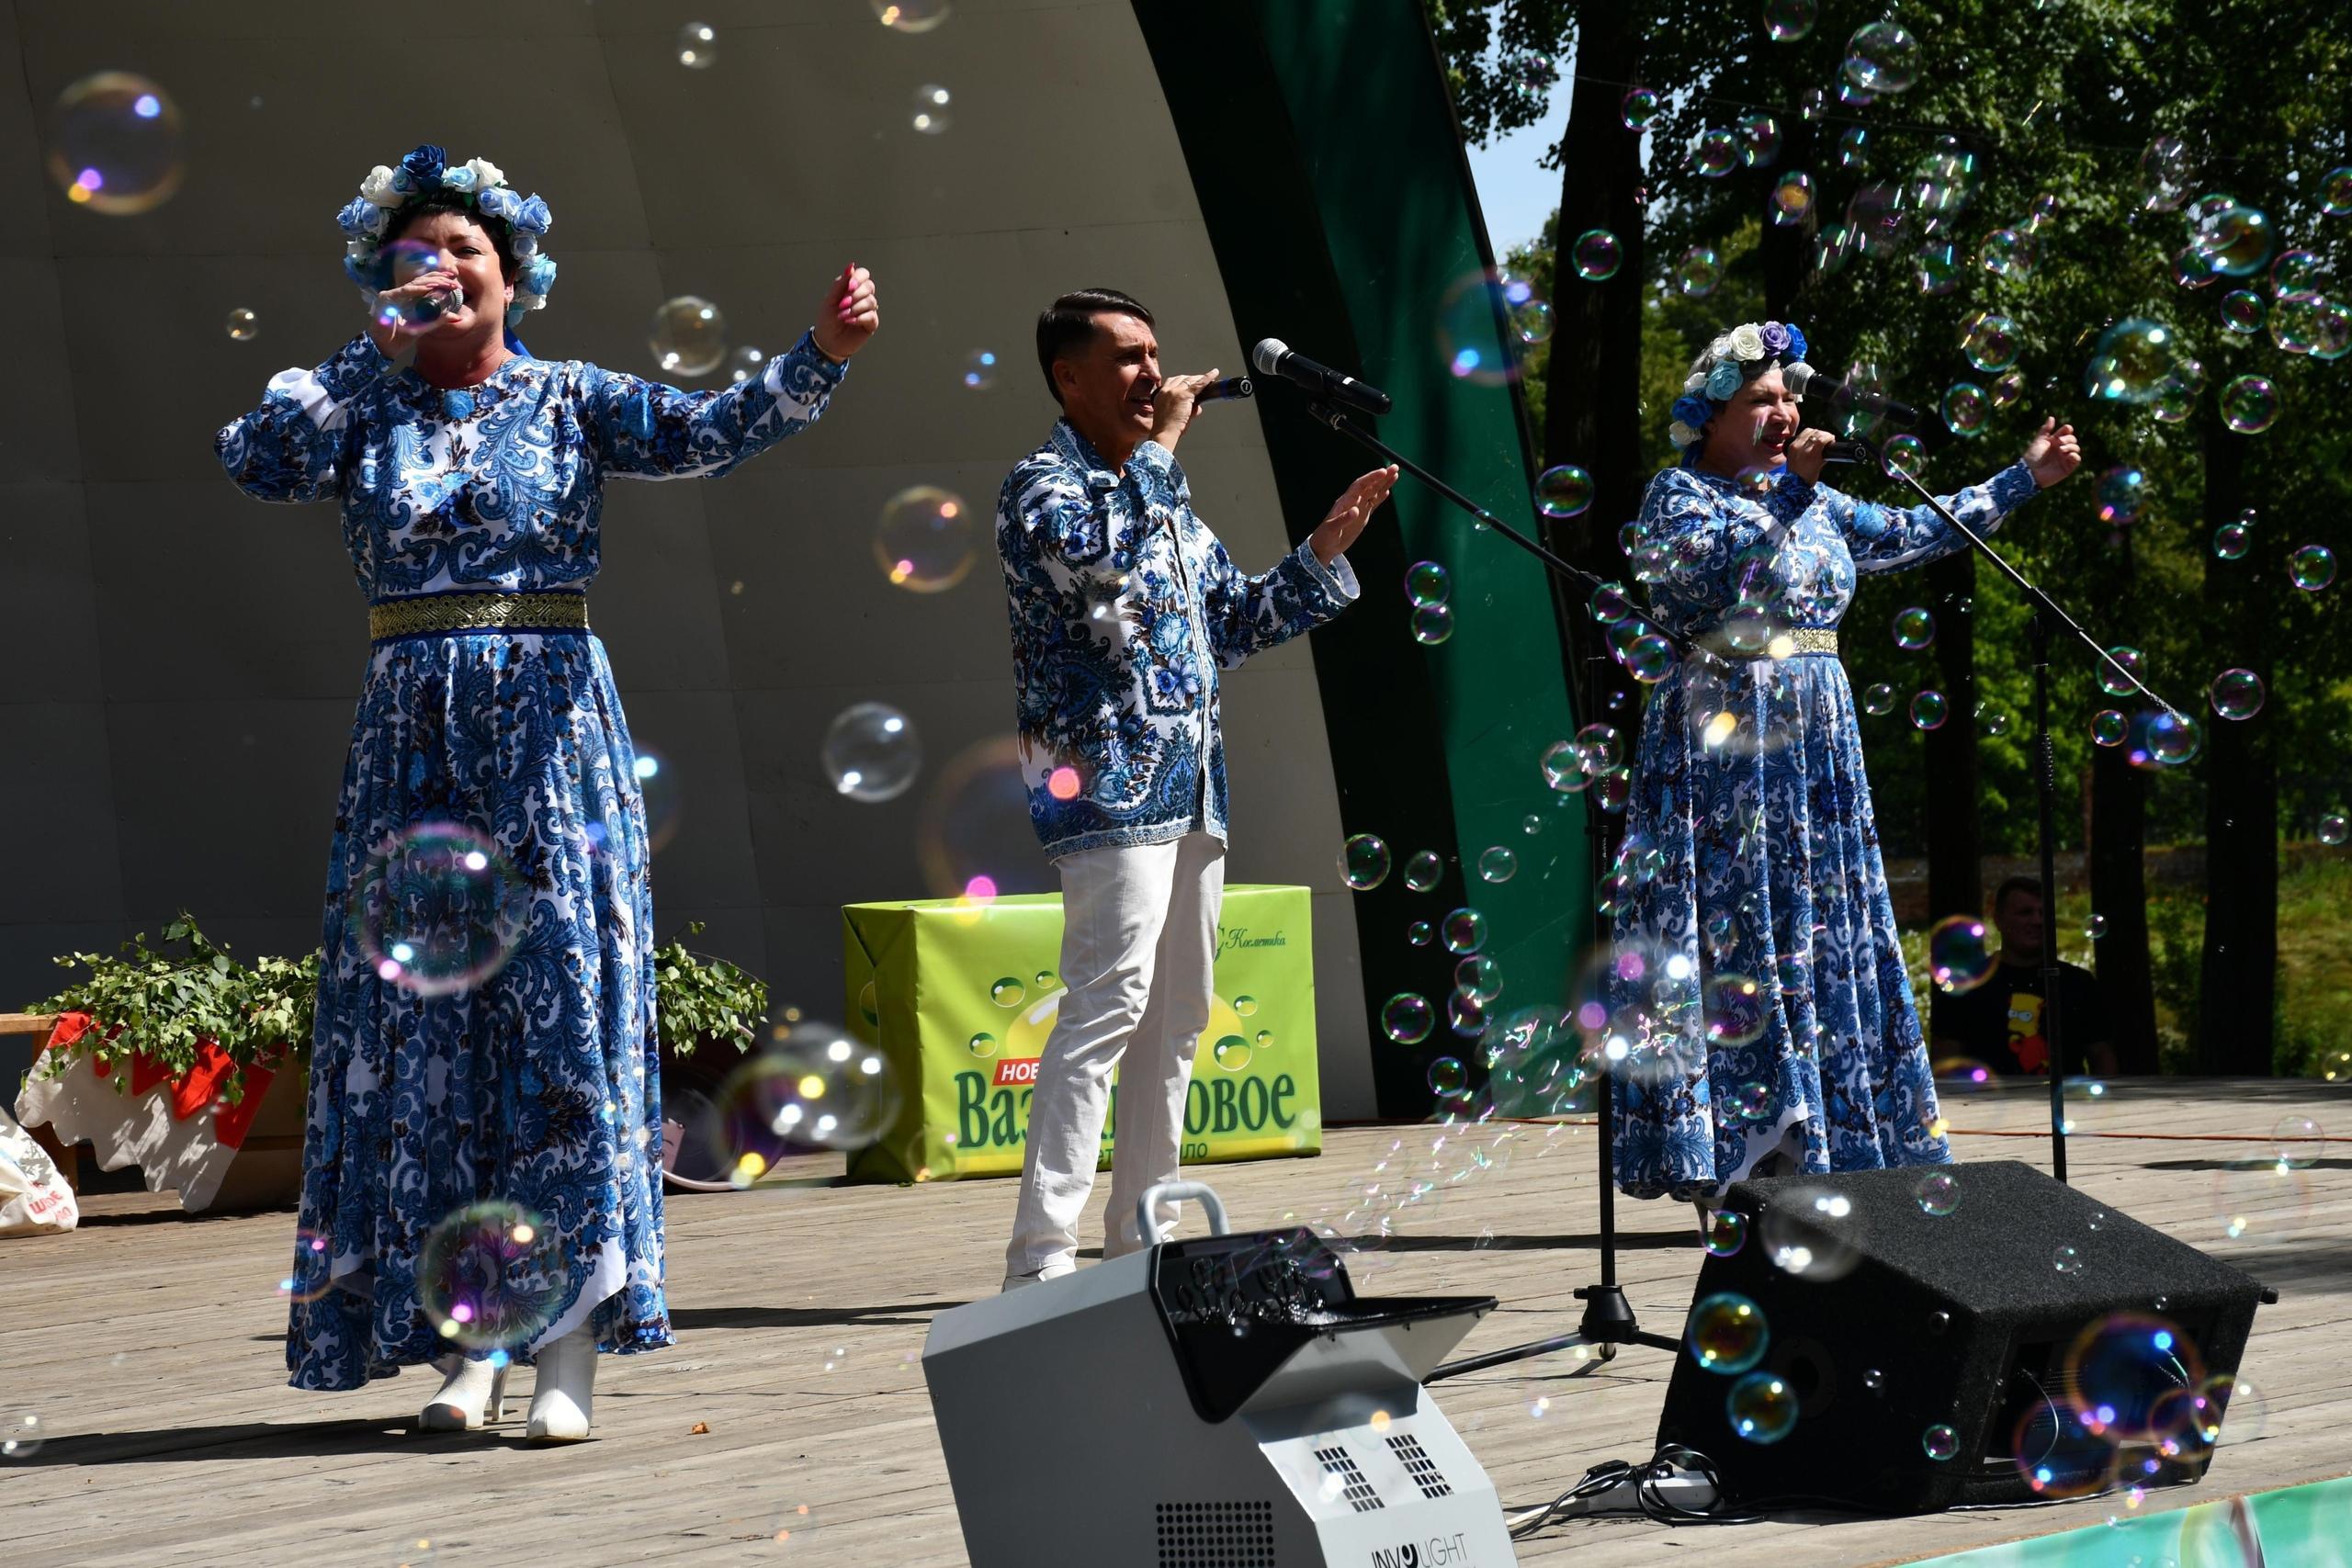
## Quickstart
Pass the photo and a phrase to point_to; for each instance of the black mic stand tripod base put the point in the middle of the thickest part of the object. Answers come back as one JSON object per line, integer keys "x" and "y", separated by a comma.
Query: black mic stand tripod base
{"x": 1608, "y": 1320}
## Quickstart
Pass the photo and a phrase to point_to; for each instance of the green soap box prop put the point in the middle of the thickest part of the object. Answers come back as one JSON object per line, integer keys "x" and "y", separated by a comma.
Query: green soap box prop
{"x": 959, "y": 998}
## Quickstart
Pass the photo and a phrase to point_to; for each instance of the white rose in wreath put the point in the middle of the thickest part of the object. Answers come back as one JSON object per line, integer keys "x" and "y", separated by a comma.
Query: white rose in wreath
{"x": 377, "y": 188}
{"x": 486, "y": 174}
{"x": 1746, "y": 341}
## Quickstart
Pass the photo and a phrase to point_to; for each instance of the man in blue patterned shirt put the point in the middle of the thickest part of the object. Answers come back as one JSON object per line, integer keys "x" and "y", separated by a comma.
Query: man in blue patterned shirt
{"x": 1125, "y": 606}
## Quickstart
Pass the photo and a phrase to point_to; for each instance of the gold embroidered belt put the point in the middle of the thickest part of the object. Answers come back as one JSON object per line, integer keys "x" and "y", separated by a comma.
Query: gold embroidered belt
{"x": 1786, "y": 644}
{"x": 441, "y": 613}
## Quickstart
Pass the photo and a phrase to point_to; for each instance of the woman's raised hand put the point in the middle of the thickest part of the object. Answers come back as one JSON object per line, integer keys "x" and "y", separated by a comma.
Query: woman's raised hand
{"x": 849, "y": 314}
{"x": 2052, "y": 454}
{"x": 398, "y": 314}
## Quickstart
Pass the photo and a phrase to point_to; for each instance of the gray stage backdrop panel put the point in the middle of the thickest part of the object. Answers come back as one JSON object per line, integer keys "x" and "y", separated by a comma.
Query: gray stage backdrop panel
{"x": 194, "y": 654}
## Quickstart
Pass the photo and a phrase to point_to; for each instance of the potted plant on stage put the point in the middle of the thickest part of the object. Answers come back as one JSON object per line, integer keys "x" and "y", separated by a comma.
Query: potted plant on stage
{"x": 710, "y": 1013}
{"x": 189, "y": 1065}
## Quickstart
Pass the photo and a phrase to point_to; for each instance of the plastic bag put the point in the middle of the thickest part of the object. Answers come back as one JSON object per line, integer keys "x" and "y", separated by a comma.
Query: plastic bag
{"x": 33, "y": 1196}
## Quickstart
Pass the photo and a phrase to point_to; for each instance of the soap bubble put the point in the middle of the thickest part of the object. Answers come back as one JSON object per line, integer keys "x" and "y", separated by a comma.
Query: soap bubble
{"x": 1760, "y": 139}
{"x": 1914, "y": 627}
{"x": 2312, "y": 567}
{"x": 1426, "y": 583}
{"x": 1650, "y": 659}
{"x": 812, "y": 1083}
{"x": 745, "y": 363}
{"x": 2298, "y": 1141}
{"x": 117, "y": 145}
{"x": 1465, "y": 327}
{"x": 1726, "y": 1233}
{"x": 2008, "y": 389}
{"x": 2166, "y": 171}
{"x": 2112, "y": 682}
{"x": 1940, "y": 1442}
{"x": 1938, "y": 1193}
{"x": 1423, "y": 870}
{"x": 308, "y": 1280}
{"x": 1498, "y": 864}
{"x": 1637, "y": 108}
{"x": 23, "y": 1435}
{"x": 925, "y": 538}
{"x": 688, "y": 336}
{"x": 910, "y": 15}
{"x": 1788, "y": 20}
{"x": 492, "y": 1276}
{"x": 1737, "y": 1008}
{"x": 1432, "y": 624}
{"x": 2132, "y": 361}
{"x": 1905, "y": 453}
{"x": 870, "y": 752}
{"x": 1958, "y": 959}
{"x": 1563, "y": 491}
{"x": 1989, "y": 340}
{"x": 1965, "y": 408}
{"x": 244, "y": 325}
{"x": 1447, "y": 1075}
{"x": 932, "y": 114}
{"x": 439, "y": 908}
{"x": 2190, "y": 269}
{"x": 2236, "y": 694}
{"x": 1716, "y": 154}
{"x": 1879, "y": 698}
{"x": 1697, "y": 272}
{"x": 1882, "y": 57}
{"x": 1726, "y": 1333}
{"x": 980, "y": 369}
{"x": 1406, "y": 1018}
{"x": 1936, "y": 269}
{"x": 976, "y": 808}
{"x": 1464, "y": 930}
{"x": 2233, "y": 240}
{"x": 2172, "y": 741}
{"x": 1761, "y": 1407}
{"x": 1929, "y": 710}
{"x": 1363, "y": 862}
{"x": 2122, "y": 491}
{"x": 1811, "y": 1232}
{"x": 2009, "y": 254}
{"x": 1853, "y": 147}
{"x": 1594, "y": 255}
{"x": 1531, "y": 319}
{"x": 2335, "y": 829}
{"x": 698, "y": 46}
{"x": 2232, "y": 540}
{"x": 2241, "y": 311}
{"x": 2249, "y": 405}
{"x": 1791, "y": 197}
{"x": 2336, "y": 191}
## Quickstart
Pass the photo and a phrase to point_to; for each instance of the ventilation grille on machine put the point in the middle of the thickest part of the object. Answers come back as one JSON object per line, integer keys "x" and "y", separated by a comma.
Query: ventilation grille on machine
{"x": 1215, "y": 1535}
{"x": 1420, "y": 1466}
{"x": 1341, "y": 1465}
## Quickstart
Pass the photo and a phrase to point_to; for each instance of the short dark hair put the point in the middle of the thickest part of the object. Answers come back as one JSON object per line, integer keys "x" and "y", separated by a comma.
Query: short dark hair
{"x": 2015, "y": 884}
{"x": 502, "y": 235}
{"x": 1068, "y": 323}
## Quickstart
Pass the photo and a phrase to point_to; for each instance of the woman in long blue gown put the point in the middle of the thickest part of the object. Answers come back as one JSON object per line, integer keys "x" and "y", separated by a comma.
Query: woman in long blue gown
{"x": 1762, "y": 1021}
{"x": 516, "y": 1063}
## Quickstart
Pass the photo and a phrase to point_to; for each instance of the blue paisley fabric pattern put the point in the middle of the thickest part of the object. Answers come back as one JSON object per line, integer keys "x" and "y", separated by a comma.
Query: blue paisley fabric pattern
{"x": 1125, "y": 606}
{"x": 1758, "y": 983}
{"x": 541, "y": 1086}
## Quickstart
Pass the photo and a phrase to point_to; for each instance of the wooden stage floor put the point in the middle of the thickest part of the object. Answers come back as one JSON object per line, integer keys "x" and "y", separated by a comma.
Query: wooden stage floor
{"x": 149, "y": 1346}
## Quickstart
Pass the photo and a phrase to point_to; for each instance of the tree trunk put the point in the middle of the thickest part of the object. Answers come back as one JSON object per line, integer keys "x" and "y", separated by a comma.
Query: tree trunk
{"x": 2239, "y": 979}
{"x": 2118, "y": 830}
{"x": 1955, "y": 828}
{"x": 1593, "y": 394}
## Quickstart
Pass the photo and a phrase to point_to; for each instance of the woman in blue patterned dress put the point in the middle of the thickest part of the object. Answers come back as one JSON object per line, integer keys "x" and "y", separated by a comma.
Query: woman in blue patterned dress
{"x": 1761, "y": 1019}
{"x": 485, "y": 1014}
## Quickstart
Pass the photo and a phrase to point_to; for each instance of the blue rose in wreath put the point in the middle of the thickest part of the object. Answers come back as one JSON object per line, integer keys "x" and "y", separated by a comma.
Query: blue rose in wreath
{"x": 1776, "y": 339}
{"x": 1693, "y": 410}
{"x": 1723, "y": 380}
{"x": 424, "y": 166}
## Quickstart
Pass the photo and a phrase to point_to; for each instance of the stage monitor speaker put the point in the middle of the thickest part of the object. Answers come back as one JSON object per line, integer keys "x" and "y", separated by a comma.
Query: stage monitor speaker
{"x": 1953, "y": 1335}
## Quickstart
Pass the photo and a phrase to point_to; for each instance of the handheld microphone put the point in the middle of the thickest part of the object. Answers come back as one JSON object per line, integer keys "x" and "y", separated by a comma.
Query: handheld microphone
{"x": 1847, "y": 452}
{"x": 1273, "y": 357}
{"x": 1231, "y": 386}
{"x": 1847, "y": 398}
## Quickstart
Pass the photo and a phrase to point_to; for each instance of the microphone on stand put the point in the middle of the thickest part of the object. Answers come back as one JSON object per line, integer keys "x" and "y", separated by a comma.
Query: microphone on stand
{"x": 1273, "y": 357}
{"x": 1847, "y": 398}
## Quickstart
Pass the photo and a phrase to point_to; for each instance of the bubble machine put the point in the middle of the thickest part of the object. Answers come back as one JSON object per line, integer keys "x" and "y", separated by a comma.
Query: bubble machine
{"x": 1221, "y": 1402}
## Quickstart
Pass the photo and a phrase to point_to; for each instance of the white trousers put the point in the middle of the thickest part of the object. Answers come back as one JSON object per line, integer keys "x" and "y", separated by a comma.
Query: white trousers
{"x": 1138, "y": 957}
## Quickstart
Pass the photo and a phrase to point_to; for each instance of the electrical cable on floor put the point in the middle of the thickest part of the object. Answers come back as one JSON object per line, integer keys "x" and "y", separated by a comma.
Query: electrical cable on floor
{"x": 1676, "y": 1486}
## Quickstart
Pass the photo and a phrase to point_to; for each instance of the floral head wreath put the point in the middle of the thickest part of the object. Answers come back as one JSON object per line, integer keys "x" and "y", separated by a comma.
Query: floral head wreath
{"x": 1731, "y": 361}
{"x": 369, "y": 216}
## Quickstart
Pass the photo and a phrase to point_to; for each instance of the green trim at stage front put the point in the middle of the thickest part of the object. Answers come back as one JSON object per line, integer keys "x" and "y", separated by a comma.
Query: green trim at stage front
{"x": 2296, "y": 1527}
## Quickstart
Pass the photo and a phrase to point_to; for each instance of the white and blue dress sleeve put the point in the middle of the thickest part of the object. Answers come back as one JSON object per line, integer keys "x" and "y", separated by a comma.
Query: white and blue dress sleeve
{"x": 1887, "y": 539}
{"x": 291, "y": 449}
{"x": 1249, "y": 614}
{"x": 645, "y": 429}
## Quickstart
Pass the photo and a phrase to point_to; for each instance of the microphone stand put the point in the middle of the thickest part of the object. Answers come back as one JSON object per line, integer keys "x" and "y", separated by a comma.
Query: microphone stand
{"x": 2048, "y": 618}
{"x": 1608, "y": 1320}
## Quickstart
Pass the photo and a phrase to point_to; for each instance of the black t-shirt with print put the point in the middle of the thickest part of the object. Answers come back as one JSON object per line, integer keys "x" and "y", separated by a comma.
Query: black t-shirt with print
{"x": 1999, "y": 1022}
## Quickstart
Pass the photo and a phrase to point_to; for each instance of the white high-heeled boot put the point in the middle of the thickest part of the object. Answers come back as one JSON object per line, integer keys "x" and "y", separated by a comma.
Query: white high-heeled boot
{"x": 565, "y": 1398}
{"x": 473, "y": 1394}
